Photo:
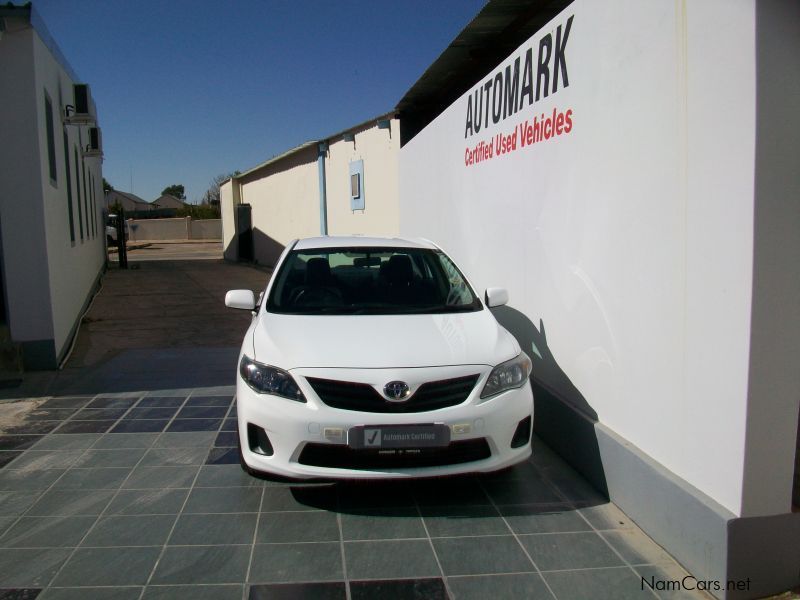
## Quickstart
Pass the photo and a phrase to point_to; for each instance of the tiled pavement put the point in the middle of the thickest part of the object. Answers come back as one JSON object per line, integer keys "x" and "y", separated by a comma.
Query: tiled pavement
{"x": 141, "y": 496}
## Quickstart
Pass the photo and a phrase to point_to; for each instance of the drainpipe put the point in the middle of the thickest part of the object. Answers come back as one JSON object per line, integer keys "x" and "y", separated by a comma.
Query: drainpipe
{"x": 323, "y": 200}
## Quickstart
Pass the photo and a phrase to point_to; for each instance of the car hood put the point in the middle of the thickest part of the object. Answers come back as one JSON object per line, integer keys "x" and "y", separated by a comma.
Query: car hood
{"x": 381, "y": 341}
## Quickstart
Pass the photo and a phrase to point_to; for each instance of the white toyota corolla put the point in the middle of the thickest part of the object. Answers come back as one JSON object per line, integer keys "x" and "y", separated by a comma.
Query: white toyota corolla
{"x": 374, "y": 358}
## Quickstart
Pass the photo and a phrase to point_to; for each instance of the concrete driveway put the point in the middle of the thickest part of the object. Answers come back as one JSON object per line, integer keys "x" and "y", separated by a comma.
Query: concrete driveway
{"x": 119, "y": 479}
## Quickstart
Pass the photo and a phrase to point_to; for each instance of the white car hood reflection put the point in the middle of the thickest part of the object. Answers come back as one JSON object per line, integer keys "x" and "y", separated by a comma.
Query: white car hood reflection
{"x": 381, "y": 341}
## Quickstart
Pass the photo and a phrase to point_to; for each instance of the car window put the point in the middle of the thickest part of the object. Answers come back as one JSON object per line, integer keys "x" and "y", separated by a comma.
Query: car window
{"x": 370, "y": 281}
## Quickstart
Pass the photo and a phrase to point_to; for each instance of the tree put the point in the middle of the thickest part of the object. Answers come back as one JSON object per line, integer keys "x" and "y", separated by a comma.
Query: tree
{"x": 107, "y": 187}
{"x": 176, "y": 189}
{"x": 211, "y": 197}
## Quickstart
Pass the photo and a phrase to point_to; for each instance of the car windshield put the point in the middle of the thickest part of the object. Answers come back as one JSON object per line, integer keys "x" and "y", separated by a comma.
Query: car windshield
{"x": 380, "y": 280}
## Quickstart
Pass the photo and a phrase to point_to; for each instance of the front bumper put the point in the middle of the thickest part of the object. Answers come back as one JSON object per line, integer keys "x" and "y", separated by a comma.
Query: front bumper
{"x": 293, "y": 426}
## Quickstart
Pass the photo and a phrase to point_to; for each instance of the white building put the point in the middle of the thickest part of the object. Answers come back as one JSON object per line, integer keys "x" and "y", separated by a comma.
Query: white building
{"x": 51, "y": 195}
{"x": 630, "y": 172}
{"x": 345, "y": 183}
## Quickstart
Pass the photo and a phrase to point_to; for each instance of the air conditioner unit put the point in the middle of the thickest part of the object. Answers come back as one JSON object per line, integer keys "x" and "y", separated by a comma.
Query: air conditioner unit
{"x": 79, "y": 112}
{"x": 95, "y": 145}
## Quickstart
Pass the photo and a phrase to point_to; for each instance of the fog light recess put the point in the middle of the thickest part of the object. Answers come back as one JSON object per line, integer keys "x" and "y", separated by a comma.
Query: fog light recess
{"x": 258, "y": 441}
{"x": 523, "y": 433}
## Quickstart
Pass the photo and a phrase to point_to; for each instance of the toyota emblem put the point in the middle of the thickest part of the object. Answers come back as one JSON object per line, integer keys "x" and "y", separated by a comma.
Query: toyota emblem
{"x": 396, "y": 391}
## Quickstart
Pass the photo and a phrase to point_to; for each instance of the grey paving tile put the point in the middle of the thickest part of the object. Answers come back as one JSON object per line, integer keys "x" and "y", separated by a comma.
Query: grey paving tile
{"x": 50, "y": 414}
{"x": 481, "y": 555}
{"x": 222, "y": 500}
{"x": 16, "y": 503}
{"x": 24, "y": 480}
{"x": 541, "y": 518}
{"x": 88, "y": 593}
{"x": 430, "y": 588}
{"x": 666, "y": 582}
{"x": 522, "y": 491}
{"x": 193, "y": 425}
{"x": 606, "y": 516}
{"x": 127, "y": 457}
{"x": 523, "y": 586}
{"x": 7, "y": 456}
{"x": 73, "y": 441}
{"x": 148, "y": 502}
{"x": 160, "y": 477}
{"x": 29, "y": 428}
{"x": 438, "y": 492}
{"x": 329, "y": 590}
{"x": 574, "y": 486}
{"x": 227, "y": 439}
{"x": 229, "y": 425}
{"x": 150, "y": 530}
{"x": 636, "y": 547}
{"x": 175, "y": 456}
{"x": 151, "y": 412}
{"x": 85, "y": 427}
{"x": 524, "y": 470}
{"x": 46, "y": 532}
{"x": 310, "y": 497}
{"x": 224, "y": 401}
{"x": 5, "y": 523}
{"x": 214, "y": 529}
{"x": 99, "y": 414}
{"x": 112, "y": 402}
{"x": 193, "y": 592}
{"x": 170, "y": 439}
{"x": 30, "y": 568}
{"x": 319, "y": 526}
{"x": 19, "y": 442}
{"x": 275, "y": 563}
{"x": 226, "y": 476}
{"x": 202, "y": 412}
{"x": 66, "y": 402}
{"x": 118, "y": 441}
{"x": 140, "y": 426}
{"x": 202, "y": 564}
{"x": 46, "y": 459}
{"x": 452, "y": 521}
{"x": 390, "y": 559}
{"x": 70, "y": 502}
{"x": 103, "y": 478}
{"x": 108, "y": 566}
{"x": 161, "y": 401}
{"x": 558, "y": 551}
{"x": 380, "y": 524}
{"x": 597, "y": 584}
{"x": 223, "y": 456}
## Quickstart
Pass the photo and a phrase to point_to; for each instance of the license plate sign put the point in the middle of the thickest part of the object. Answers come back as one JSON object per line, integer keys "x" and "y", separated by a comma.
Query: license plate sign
{"x": 379, "y": 437}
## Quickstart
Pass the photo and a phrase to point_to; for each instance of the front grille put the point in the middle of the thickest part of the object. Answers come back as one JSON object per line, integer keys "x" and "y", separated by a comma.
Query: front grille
{"x": 338, "y": 456}
{"x": 347, "y": 395}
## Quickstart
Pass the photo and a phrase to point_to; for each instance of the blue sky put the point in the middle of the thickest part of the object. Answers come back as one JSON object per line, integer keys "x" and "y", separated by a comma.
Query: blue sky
{"x": 187, "y": 90}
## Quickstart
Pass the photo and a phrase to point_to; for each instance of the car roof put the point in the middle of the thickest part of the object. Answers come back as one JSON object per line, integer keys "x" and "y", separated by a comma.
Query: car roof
{"x": 357, "y": 241}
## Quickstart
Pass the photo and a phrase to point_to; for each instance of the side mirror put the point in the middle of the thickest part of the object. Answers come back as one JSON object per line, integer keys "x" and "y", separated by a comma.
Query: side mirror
{"x": 243, "y": 299}
{"x": 496, "y": 297}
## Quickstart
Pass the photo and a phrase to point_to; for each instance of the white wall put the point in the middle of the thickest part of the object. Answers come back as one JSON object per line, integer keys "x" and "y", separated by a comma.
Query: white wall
{"x": 47, "y": 277}
{"x": 378, "y": 148}
{"x": 630, "y": 237}
{"x": 73, "y": 267}
{"x": 23, "y": 232}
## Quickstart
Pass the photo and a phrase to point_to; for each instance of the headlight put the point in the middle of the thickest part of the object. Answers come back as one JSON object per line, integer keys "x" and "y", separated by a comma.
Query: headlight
{"x": 269, "y": 380}
{"x": 508, "y": 375}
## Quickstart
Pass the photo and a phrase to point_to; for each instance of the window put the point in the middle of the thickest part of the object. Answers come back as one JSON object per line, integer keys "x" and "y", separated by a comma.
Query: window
{"x": 69, "y": 190}
{"x": 357, "y": 185}
{"x": 51, "y": 139}
{"x": 78, "y": 187}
